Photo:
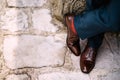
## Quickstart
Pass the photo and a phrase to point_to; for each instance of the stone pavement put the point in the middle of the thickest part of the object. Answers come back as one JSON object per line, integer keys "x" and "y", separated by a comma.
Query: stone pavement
{"x": 33, "y": 46}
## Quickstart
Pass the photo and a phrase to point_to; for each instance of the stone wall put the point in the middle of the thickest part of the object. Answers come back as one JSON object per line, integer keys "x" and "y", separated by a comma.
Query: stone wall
{"x": 32, "y": 45}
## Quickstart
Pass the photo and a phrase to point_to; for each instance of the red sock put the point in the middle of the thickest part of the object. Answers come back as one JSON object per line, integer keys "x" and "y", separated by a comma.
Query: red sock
{"x": 73, "y": 27}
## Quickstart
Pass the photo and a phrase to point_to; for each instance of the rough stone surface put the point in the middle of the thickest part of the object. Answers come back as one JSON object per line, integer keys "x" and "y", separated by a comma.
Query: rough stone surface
{"x": 75, "y": 61}
{"x": 2, "y": 4}
{"x": 42, "y": 21}
{"x": 26, "y": 3}
{"x": 1, "y": 61}
{"x": 64, "y": 76}
{"x": 33, "y": 51}
{"x": 33, "y": 39}
{"x": 105, "y": 75}
{"x": 14, "y": 20}
{"x": 17, "y": 77}
{"x": 112, "y": 76}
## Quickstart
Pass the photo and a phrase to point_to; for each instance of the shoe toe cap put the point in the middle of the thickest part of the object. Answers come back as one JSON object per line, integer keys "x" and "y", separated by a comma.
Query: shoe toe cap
{"x": 87, "y": 66}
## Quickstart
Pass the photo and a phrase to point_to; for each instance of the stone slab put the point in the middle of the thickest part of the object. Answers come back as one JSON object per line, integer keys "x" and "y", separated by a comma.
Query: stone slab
{"x": 41, "y": 19}
{"x": 105, "y": 75}
{"x": 64, "y": 76}
{"x": 34, "y": 51}
{"x": 26, "y": 3}
{"x": 14, "y": 20}
{"x": 112, "y": 76}
{"x": 17, "y": 77}
{"x": 2, "y": 4}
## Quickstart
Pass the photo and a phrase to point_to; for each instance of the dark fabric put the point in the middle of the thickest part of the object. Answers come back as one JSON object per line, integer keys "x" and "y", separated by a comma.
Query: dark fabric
{"x": 99, "y": 3}
{"x": 95, "y": 4}
{"x": 96, "y": 41}
{"x": 94, "y": 21}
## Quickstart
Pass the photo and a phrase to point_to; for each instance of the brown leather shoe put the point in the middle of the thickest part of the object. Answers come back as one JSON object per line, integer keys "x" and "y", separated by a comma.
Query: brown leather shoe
{"x": 72, "y": 37}
{"x": 87, "y": 60}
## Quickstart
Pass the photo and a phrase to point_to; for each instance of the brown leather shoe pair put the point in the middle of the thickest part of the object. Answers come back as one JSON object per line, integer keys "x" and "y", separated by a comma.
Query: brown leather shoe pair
{"x": 88, "y": 56}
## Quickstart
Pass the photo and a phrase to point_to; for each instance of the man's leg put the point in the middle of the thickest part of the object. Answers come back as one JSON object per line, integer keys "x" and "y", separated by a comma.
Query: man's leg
{"x": 88, "y": 56}
{"x": 103, "y": 19}
{"x": 72, "y": 36}
{"x": 93, "y": 24}
{"x": 96, "y": 41}
{"x": 73, "y": 39}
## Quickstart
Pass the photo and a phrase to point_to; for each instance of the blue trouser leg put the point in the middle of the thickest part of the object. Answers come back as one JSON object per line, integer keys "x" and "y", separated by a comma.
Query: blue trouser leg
{"x": 95, "y": 21}
{"x": 103, "y": 19}
{"x": 95, "y": 41}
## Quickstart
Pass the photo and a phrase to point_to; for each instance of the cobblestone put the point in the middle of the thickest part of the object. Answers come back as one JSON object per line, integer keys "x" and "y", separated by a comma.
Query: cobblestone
{"x": 33, "y": 51}
{"x": 42, "y": 21}
{"x": 64, "y": 76}
{"x": 26, "y": 3}
{"x": 14, "y": 20}
{"x": 17, "y": 77}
